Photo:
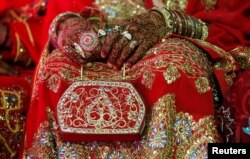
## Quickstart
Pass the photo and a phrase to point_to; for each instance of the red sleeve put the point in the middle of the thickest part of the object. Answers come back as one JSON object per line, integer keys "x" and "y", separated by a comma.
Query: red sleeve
{"x": 229, "y": 22}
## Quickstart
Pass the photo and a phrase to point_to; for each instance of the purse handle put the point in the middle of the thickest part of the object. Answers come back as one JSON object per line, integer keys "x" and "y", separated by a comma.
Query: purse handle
{"x": 123, "y": 73}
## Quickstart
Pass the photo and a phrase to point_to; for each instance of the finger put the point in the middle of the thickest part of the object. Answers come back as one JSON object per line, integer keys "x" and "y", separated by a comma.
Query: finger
{"x": 126, "y": 52}
{"x": 139, "y": 53}
{"x": 116, "y": 51}
{"x": 97, "y": 52}
{"x": 107, "y": 45}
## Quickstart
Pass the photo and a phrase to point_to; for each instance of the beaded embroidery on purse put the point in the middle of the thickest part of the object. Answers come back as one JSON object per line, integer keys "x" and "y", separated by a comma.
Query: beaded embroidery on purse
{"x": 101, "y": 111}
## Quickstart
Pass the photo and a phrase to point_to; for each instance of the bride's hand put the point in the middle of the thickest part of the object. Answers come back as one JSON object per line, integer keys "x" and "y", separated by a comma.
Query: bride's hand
{"x": 76, "y": 36}
{"x": 132, "y": 38}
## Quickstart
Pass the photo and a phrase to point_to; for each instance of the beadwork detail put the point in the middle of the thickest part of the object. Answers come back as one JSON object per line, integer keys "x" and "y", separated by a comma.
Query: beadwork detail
{"x": 89, "y": 41}
{"x": 100, "y": 107}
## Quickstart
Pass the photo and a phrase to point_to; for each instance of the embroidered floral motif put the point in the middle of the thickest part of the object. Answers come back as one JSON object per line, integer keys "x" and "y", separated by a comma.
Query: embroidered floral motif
{"x": 171, "y": 74}
{"x": 199, "y": 152}
{"x": 160, "y": 129}
{"x": 209, "y": 4}
{"x": 54, "y": 83}
{"x": 44, "y": 140}
{"x": 204, "y": 132}
{"x": 179, "y": 5}
{"x": 159, "y": 137}
{"x": 120, "y": 9}
{"x": 116, "y": 155}
{"x": 183, "y": 128}
{"x": 202, "y": 85}
{"x": 67, "y": 151}
{"x": 148, "y": 79}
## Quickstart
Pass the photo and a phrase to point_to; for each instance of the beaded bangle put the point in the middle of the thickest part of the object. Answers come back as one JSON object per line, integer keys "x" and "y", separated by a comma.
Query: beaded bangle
{"x": 177, "y": 22}
{"x": 204, "y": 31}
{"x": 168, "y": 19}
{"x": 190, "y": 27}
{"x": 194, "y": 27}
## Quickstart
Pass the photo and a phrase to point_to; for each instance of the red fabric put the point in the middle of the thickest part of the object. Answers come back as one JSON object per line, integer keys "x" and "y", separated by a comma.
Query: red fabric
{"x": 238, "y": 102}
{"x": 228, "y": 23}
{"x": 201, "y": 104}
{"x": 13, "y": 4}
{"x": 16, "y": 87}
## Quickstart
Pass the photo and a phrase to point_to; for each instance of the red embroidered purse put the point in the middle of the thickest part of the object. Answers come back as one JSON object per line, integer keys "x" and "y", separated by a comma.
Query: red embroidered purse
{"x": 101, "y": 111}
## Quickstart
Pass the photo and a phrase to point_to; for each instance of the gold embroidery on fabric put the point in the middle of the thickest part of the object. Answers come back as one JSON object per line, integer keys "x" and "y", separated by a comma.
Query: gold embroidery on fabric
{"x": 179, "y": 5}
{"x": 242, "y": 55}
{"x": 148, "y": 79}
{"x": 117, "y": 9}
{"x": 176, "y": 52}
{"x": 209, "y": 4}
{"x": 10, "y": 102}
{"x": 7, "y": 146}
{"x": 54, "y": 83}
{"x": 165, "y": 130}
{"x": 171, "y": 74}
{"x": 202, "y": 85}
{"x": 160, "y": 131}
{"x": 204, "y": 132}
{"x": 11, "y": 120}
{"x": 98, "y": 107}
{"x": 226, "y": 64}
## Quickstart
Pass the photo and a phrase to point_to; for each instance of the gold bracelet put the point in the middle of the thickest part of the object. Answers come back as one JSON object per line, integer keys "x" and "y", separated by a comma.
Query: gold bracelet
{"x": 179, "y": 23}
{"x": 204, "y": 31}
{"x": 168, "y": 19}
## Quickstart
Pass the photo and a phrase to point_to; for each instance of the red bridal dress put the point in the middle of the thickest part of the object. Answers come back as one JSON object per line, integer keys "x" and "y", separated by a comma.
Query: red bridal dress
{"x": 162, "y": 107}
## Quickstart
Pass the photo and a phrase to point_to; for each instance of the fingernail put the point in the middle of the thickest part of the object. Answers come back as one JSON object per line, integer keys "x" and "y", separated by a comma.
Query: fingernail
{"x": 110, "y": 65}
{"x": 103, "y": 54}
{"x": 89, "y": 64}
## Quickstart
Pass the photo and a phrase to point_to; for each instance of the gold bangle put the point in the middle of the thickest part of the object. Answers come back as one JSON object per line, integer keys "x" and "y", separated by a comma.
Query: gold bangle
{"x": 168, "y": 19}
{"x": 179, "y": 23}
{"x": 204, "y": 31}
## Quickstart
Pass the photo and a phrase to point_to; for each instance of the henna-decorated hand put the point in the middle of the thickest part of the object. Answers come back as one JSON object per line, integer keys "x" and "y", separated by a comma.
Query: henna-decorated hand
{"x": 77, "y": 36}
{"x": 135, "y": 37}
